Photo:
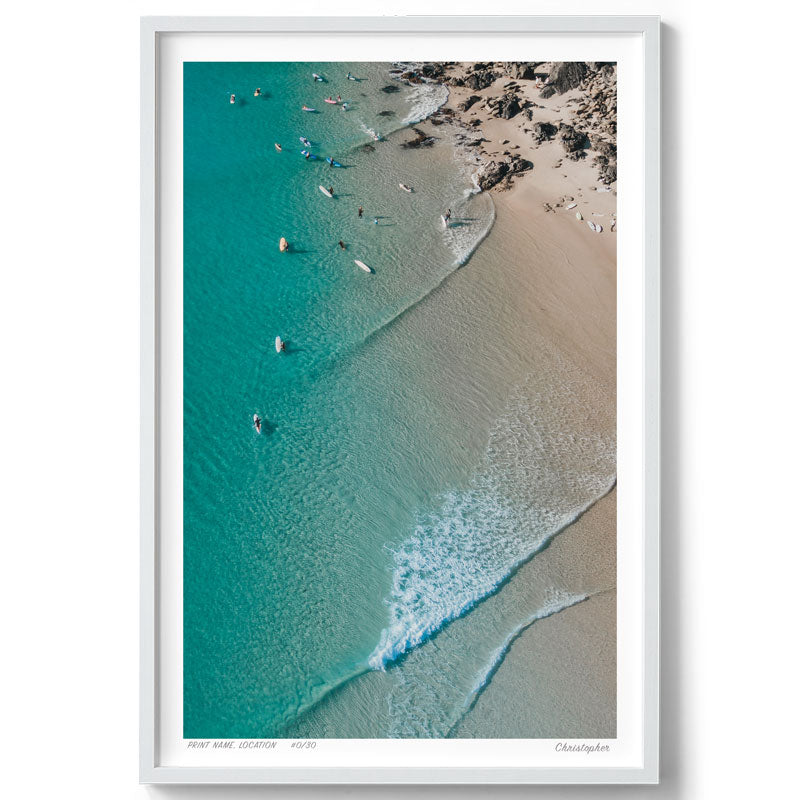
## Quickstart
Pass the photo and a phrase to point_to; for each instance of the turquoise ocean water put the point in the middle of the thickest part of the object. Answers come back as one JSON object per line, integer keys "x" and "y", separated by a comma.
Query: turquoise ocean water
{"x": 329, "y": 560}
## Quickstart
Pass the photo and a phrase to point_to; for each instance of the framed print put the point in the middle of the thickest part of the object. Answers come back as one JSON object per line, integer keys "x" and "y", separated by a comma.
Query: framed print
{"x": 400, "y": 417}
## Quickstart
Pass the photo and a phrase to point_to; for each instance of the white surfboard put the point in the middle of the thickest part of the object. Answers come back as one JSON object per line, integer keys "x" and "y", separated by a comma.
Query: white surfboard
{"x": 363, "y": 266}
{"x": 444, "y": 221}
{"x": 278, "y": 344}
{"x": 325, "y": 191}
{"x": 283, "y": 245}
{"x": 578, "y": 215}
{"x": 591, "y": 224}
{"x": 406, "y": 188}
{"x": 572, "y": 205}
{"x": 256, "y": 423}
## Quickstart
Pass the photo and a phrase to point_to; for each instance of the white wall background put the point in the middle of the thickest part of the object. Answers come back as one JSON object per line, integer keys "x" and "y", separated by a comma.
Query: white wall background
{"x": 69, "y": 331}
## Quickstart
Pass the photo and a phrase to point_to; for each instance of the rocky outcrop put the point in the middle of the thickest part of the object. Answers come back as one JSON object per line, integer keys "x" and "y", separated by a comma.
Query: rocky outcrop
{"x": 500, "y": 173}
{"x": 542, "y": 131}
{"x": 508, "y": 106}
{"x": 522, "y": 70}
{"x": 467, "y": 104}
{"x": 482, "y": 79}
{"x": 565, "y": 75}
{"x": 573, "y": 141}
{"x": 606, "y": 161}
{"x": 391, "y": 88}
{"x": 432, "y": 69}
{"x": 421, "y": 139}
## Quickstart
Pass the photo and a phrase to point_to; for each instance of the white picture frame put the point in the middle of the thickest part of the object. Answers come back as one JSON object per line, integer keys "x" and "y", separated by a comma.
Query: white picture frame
{"x": 154, "y": 311}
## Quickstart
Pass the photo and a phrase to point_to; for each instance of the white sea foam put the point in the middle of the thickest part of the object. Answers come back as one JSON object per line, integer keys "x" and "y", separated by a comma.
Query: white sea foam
{"x": 557, "y": 600}
{"x": 548, "y": 459}
{"x": 425, "y": 98}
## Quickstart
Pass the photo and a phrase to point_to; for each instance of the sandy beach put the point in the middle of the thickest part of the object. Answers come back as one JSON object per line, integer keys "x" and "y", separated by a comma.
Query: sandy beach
{"x": 562, "y": 669}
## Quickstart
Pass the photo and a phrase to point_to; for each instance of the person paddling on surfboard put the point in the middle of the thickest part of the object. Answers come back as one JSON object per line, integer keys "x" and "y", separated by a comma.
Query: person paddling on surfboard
{"x": 360, "y": 211}
{"x": 330, "y": 189}
{"x": 341, "y": 244}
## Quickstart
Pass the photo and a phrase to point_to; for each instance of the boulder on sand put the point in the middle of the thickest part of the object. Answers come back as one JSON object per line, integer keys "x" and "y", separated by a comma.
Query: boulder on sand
{"x": 542, "y": 131}
{"x": 565, "y": 75}
{"x": 573, "y": 141}
{"x": 480, "y": 80}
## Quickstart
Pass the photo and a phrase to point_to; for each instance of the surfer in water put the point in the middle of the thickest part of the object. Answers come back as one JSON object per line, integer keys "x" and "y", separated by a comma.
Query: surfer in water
{"x": 447, "y": 216}
{"x": 375, "y": 221}
{"x": 341, "y": 244}
{"x": 360, "y": 211}
{"x": 308, "y": 155}
{"x": 330, "y": 189}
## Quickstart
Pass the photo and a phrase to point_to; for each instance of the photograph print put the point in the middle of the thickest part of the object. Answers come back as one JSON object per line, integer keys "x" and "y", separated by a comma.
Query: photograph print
{"x": 399, "y": 400}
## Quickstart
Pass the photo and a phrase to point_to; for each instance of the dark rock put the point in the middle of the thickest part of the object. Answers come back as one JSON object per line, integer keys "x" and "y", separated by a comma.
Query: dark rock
{"x": 456, "y": 81}
{"x": 475, "y": 123}
{"x": 432, "y": 70}
{"x": 480, "y": 80}
{"x": 421, "y": 139}
{"x": 606, "y": 161}
{"x": 573, "y": 141}
{"x": 391, "y": 88}
{"x": 386, "y": 113}
{"x": 522, "y": 70}
{"x": 496, "y": 171}
{"x": 367, "y": 148}
{"x": 469, "y": 102}
{"x": 565, "y": 75}
{"x": 542, "y": 131}
{"x": 508, "y": 106}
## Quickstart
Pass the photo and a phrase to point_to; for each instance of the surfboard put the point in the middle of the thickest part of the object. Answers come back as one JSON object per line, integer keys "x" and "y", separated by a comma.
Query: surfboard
{"x": 363, "y": 266}
{"x": 444, "y": 222}
{"x": 306, "y": 108}
{"x": 405, "y": 188}
{"x": 278, "y": 344}
{"x": 325, "y": 191}
{"x": 332, "y": 162}
{"x": 572, "y": 205}
{"x": 305, "y": 141}
{"x": 283, "y": 246}
{"x": 256, "y": 423}
{"x": 308, "y": 155}
{"x": 578, "y": 215}
{"x": 278, "y": 147}
{"x": 331, "y": 101}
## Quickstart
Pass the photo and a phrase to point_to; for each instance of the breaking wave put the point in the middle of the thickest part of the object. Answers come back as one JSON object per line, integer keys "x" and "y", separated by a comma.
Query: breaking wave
{"x": 542, "y": 469}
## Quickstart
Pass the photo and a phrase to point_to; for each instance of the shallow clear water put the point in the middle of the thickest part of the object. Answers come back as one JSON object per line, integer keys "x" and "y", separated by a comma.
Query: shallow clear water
{"x": 396, "y": 482}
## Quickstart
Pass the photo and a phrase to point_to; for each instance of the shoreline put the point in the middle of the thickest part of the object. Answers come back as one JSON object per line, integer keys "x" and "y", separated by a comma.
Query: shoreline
{"x": 571, "y": 287}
